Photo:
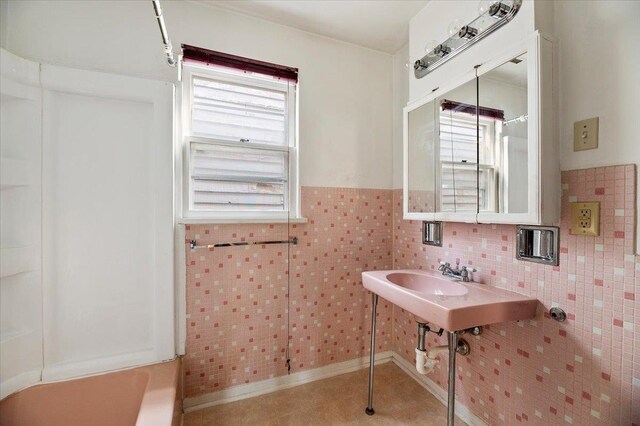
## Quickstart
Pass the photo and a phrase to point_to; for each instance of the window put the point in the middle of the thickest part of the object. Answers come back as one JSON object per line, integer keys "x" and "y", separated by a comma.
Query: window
{"x": 239, "y": 144}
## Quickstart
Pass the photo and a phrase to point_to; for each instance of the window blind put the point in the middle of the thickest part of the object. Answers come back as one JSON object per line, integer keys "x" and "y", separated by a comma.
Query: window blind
{"x": 234, "y": 112}
{"x": 455, "y": 106}
{"x": 232, "y": 178}
{"x": 458, "y": 152}
{"x": 211, "y": 57}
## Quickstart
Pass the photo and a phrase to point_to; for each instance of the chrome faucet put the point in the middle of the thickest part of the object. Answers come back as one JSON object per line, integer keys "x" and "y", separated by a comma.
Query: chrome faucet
{"x": 458, "y": 273}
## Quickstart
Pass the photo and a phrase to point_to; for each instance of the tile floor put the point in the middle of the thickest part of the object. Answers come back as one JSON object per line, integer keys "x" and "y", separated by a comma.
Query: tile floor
{"x": 340, "y": 400}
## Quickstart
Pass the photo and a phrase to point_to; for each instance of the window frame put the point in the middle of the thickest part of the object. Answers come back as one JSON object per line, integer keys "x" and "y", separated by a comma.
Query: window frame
{"x": 189, "y": 71}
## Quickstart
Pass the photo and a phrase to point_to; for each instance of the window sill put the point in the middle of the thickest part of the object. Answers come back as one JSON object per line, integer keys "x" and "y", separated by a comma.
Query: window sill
{"x": 214, "y": 221}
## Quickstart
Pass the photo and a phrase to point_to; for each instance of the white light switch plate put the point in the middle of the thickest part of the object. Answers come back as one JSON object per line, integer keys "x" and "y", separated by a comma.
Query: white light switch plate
{"x": 585, "y": 134}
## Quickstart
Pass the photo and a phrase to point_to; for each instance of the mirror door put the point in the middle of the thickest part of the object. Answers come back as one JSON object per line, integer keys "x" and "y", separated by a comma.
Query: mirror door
{"x": 473, "y": 153}
{"x": 421, "y": 155}
{"x": 457, "y": 191}
{"x": 441, "y": 151}
{"x": 504, "y": 122}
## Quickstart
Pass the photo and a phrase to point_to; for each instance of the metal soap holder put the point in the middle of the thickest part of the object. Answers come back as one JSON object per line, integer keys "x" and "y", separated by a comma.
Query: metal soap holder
{"x": 538, "y": 244}
{"x": 432, "y": 233}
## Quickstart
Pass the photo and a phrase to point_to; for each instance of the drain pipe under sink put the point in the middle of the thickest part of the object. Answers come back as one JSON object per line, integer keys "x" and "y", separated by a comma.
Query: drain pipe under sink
{"x": 427, "y": 360}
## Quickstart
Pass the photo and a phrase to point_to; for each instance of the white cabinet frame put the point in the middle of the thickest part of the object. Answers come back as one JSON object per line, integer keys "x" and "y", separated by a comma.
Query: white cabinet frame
{"x": 544, "y": 189}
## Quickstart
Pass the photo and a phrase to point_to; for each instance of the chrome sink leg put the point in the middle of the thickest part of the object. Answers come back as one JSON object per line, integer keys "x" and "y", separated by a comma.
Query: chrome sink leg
{"x": 451, "y": 403}
{"x": 374, "y": 305}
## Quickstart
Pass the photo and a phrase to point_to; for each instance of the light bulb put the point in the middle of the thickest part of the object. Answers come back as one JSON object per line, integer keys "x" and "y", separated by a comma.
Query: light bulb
{"x": 454, "y": 27}
{"x": 429, "y": 47}
{"x": 408, "y": 63}
{"x": 485, "y": 5}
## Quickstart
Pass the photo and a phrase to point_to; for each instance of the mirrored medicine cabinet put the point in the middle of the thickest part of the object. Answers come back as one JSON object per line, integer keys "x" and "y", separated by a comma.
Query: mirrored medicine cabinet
{"x": 483, "y": 148}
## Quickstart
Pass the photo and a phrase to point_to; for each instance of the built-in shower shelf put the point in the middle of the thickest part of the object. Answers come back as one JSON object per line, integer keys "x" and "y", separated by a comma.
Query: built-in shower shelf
{"x": 12, "y": 335}
{"x": 15, "y": 173}
{"x": 18, "y": 260}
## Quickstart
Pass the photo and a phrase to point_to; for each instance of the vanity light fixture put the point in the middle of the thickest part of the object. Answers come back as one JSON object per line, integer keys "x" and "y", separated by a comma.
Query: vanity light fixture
{"x": 492, "y": 16}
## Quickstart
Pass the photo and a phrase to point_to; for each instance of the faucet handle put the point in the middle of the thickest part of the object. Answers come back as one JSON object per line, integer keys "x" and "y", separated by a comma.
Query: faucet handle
{"x": 464, "y": 273}
{"x": 443, "y": 266}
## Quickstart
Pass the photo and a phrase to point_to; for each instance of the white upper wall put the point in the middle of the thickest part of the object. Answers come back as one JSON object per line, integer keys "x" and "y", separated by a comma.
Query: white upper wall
{"x": 599, "y": 53}
{"x": 345, "y": 90}
{"x": 4, "y": 19}
{"x": 400, "y": 99}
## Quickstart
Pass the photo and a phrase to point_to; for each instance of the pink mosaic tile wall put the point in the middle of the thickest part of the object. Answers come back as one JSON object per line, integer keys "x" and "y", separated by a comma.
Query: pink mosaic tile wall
{"x": 583, "y": 371}
{"x": 237, "y": 296}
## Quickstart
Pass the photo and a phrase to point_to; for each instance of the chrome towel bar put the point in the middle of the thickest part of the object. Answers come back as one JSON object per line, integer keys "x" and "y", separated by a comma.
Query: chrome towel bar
{"x": 193, "y": 244}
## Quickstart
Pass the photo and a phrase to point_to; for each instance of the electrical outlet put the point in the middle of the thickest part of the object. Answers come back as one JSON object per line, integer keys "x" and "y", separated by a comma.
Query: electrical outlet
{"x": 585, "y": 218}
{"x": 585, "y": 134}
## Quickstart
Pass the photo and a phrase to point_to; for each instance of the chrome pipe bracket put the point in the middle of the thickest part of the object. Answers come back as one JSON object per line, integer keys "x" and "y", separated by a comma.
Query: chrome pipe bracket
{"x": 463, "y": 347}
{"x": 557, "y": 314}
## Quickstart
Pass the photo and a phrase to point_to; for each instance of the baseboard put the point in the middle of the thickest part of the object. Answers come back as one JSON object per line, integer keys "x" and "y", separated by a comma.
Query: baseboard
{"x": 250, "y": 390}
{"x": 462, "y": 411}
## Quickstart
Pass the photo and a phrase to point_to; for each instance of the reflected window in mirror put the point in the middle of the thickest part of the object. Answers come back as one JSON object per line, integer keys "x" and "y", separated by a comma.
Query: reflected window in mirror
{"x": 457, "y": 182}
{"x": 467, "y": 135}
{"x": 505, "y": 88}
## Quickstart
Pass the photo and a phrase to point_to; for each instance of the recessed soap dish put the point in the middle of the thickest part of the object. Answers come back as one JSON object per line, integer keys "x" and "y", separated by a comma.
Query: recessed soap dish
{"x": 432, "y": 233}
{"x": 538, "y": 244}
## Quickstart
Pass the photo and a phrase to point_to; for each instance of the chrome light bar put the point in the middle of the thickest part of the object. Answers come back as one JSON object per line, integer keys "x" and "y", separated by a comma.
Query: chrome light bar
{"x": 497, "y": 15}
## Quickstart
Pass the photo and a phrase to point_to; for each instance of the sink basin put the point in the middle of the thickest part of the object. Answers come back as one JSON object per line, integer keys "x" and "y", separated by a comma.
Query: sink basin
{"x": 425, "y": 284}
{"x": 450, "y": 304}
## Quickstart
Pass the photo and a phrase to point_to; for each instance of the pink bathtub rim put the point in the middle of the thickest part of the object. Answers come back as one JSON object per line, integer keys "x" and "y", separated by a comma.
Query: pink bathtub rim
{"x": 144, "y": 396}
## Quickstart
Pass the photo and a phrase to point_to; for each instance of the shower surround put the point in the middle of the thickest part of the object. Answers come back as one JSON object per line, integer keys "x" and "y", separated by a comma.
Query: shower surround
{"x": 581, "y": 371}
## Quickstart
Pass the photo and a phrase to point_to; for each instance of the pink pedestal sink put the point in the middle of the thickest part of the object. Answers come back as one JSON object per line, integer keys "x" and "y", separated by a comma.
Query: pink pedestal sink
{"x": 452, "y": 305}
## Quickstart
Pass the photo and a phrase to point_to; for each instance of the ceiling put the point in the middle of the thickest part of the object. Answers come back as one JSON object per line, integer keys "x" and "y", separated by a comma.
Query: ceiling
{"x": 379, "y": 24}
